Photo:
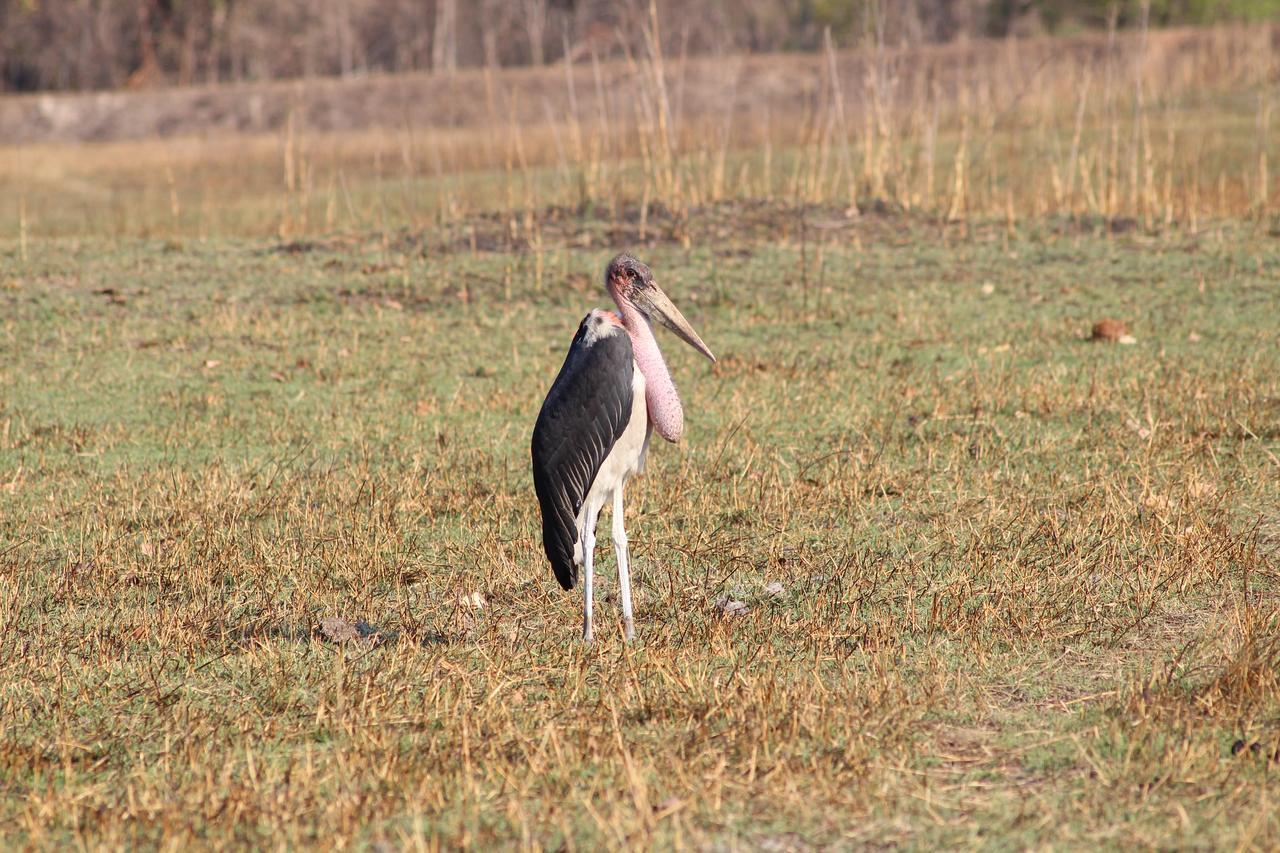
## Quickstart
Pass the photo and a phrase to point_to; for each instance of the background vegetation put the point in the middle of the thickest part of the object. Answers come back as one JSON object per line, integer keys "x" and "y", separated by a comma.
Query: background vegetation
{"x": 71, "y": 44}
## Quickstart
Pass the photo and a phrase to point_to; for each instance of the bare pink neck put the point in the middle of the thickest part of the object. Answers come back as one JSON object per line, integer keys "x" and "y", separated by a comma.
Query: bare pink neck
{"x": 665, "y": 411}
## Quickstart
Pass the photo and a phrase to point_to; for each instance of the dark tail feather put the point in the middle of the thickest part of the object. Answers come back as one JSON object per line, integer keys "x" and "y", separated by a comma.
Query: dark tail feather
{"x": 558, "y": 543}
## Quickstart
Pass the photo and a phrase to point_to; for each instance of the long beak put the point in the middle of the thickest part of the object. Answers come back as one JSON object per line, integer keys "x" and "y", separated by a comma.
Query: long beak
{"x": 665, "y": 312}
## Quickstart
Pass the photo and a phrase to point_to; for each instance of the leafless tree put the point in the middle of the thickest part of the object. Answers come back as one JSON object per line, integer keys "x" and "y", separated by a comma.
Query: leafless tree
{"x": 535, "y": 24}
{"x": 444, "y": 39}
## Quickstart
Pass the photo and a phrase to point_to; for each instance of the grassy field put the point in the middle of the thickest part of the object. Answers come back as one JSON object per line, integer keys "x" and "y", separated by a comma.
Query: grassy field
{"x": 269, "y": 562}
{"x": 1027, "y": 581}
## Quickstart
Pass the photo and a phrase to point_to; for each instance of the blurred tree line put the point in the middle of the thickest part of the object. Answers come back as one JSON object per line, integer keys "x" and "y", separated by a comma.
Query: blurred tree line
{"x": 104, "y": 44}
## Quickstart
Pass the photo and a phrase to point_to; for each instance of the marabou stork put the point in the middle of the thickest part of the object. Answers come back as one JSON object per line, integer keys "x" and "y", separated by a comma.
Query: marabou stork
{"x": 592, "y": 433}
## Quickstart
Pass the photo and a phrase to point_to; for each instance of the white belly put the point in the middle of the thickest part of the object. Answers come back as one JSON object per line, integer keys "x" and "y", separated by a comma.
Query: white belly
{"x": 625, "y": 459}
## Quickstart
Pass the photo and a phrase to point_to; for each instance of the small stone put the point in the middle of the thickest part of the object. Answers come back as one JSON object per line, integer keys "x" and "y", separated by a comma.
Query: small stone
{"x": 669, "y": 805}
{"x": 335, "y": 629}
{"x": 338, "y": 630}
{"x": 1142, "y": 431}
{"x": 732, "y": 607}
{"x": 775, "y": 589}
{"x": 1241, "y": 745}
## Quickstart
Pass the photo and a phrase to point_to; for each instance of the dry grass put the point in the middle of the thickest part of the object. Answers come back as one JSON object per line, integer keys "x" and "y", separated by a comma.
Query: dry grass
{"x": 1161, "y": 129}
{"x": 1026, "y": 586}
{"x": 269, "y": 571}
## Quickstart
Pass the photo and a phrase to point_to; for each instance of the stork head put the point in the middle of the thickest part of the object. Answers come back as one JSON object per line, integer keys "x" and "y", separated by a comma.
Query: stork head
{"x": 631, "y": 283}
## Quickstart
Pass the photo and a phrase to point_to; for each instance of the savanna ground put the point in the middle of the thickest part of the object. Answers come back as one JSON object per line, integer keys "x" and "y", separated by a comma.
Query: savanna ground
{"x": 269, "y": 558}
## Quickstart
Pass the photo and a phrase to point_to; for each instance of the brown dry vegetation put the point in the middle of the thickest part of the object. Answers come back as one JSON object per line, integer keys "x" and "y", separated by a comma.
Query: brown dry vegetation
{"x": 1026, "y": 584}
{"x": 1156, "y": 129}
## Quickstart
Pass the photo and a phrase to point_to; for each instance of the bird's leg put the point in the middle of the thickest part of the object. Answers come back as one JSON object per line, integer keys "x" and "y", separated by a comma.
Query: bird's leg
{"x": 588, "y": 572}
{"x": 624, "y": 571}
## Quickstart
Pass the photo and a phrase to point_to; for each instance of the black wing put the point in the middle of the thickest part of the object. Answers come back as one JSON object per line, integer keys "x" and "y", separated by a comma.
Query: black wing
{"x": 584, "y": 414}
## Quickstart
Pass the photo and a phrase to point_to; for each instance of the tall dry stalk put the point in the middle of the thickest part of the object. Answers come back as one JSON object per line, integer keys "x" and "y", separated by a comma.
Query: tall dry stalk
{"x": 656, "y": 110}
{"x": 1263, "y": 198}
{"x": 297, "y": 182}
{"x": 842, "y": 123}
{"x": 22, "y": 228}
